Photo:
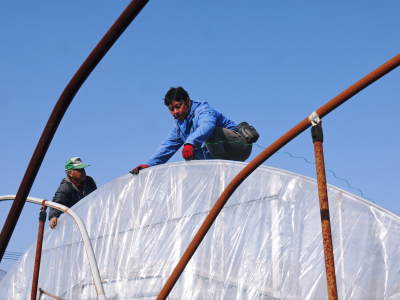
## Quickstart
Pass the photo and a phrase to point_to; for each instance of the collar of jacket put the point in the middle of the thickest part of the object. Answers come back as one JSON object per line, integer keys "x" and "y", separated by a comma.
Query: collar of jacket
{"x": 193, "y": 106}
{"x": 75, "y": 185}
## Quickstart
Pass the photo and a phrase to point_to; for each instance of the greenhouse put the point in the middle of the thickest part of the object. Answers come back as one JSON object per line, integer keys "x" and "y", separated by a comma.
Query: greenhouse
{"x": 265, "y": 244}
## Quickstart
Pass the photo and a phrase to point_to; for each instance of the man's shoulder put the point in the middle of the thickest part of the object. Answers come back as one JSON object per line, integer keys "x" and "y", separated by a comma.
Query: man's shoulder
{"x": 200, "y": 107}
{"x": 90, "y": 181}
{"x": 65, "y": 185}
{"x": 90, "y": 178}
{"x": 200, "y": 104}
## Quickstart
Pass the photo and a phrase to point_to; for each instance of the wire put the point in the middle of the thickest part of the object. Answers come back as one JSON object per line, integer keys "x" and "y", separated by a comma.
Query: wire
{"x": 12, "y": 255}
{"x": 333, "y": 173}
{"x": 13, "y": 252}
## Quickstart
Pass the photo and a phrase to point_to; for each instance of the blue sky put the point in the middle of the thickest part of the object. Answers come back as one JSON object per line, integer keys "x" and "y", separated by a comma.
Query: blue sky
{"x": 270, "y": 63}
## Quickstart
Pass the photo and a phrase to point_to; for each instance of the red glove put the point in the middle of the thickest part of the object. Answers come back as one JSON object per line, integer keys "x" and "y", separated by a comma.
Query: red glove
{"x": 188, "y": 152}
{"x": 138, "y": 168}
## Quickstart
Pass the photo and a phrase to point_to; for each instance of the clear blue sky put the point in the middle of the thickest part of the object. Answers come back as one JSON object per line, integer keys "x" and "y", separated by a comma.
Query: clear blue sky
{"x": 270, "y": 63}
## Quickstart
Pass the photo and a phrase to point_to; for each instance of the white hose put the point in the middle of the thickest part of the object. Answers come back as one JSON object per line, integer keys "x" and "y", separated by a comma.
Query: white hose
{"x": 85, "y": 237}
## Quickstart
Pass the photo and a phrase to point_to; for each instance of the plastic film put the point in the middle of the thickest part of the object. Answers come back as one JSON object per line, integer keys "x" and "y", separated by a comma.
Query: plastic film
{"x": 265, "y": 244}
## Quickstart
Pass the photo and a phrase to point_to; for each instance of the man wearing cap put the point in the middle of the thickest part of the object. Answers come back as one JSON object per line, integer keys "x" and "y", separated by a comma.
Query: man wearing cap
{"x": 73, "y": 187}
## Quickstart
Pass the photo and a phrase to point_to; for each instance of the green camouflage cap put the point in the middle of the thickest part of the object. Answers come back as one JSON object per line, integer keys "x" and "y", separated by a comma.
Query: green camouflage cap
{"x": 74, "y": 163}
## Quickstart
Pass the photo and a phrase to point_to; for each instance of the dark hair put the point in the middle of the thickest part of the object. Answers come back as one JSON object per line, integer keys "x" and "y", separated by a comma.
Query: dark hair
{"x": 178, "y": 94}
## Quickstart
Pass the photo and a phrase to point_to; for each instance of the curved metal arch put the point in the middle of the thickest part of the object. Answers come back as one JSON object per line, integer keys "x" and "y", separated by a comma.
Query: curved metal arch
{"x": 108, "y": 40}
{"x": 263, "y": 156}
{"x": 84, "y": 234}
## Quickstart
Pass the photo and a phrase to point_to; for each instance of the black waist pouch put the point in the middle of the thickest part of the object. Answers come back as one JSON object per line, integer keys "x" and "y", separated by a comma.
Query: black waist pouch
{"x": 247, "y": 131}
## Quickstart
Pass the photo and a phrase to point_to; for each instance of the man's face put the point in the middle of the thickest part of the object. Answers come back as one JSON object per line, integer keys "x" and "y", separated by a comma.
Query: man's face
{"x": 179, "y": 110}
{"x": 77, "y": 174}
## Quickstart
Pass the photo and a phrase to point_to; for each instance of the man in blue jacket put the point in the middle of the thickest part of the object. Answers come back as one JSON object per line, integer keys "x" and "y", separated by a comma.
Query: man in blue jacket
{"x": 204, "y": 133}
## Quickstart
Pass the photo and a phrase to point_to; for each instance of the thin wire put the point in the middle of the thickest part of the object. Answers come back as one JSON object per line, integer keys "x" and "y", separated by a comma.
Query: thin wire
{"x": 9, "y": 258}
{"x": 333, "y": 173}
{"x": 12, "y": 255}
{"x": 13, "y": 252}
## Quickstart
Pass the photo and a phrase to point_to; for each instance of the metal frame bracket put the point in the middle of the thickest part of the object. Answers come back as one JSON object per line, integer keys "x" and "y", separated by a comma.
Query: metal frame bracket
{"x": 314, "y": 118}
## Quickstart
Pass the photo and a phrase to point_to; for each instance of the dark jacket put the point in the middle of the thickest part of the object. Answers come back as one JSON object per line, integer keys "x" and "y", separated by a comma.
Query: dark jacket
{"x": 68, "y": 194}
{"x": 195, "y": 129}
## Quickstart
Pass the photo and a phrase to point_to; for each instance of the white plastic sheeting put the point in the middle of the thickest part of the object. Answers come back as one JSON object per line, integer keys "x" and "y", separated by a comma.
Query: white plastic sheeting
{"x": 265, "y": 244}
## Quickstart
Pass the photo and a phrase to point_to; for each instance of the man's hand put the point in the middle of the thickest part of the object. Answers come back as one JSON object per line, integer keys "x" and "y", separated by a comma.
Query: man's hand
{"x": 53, "y": 222}
{"x": 138, "y": 168}
{"x": 188, "y": 152}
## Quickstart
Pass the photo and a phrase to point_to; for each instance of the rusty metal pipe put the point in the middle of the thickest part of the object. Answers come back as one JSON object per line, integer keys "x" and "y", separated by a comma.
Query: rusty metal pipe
{"x": 115, "y": 31}
{"x": 38, "y": 254}
{"x": 263, "y": 156}
{"x": 317, "y": 136}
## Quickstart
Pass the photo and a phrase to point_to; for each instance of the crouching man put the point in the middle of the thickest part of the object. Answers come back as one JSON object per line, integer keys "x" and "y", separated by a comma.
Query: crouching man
{"x": 203, "y": 132}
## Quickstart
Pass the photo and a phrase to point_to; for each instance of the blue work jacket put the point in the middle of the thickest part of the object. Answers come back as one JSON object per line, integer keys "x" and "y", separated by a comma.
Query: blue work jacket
{"x": 195, "y": 129}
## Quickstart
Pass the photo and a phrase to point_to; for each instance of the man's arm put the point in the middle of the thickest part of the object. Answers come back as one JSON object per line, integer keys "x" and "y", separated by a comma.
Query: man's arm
{"x": 168, "y": 148}
{"x": 61, "y": 197}
{"x": 207, "y": 121}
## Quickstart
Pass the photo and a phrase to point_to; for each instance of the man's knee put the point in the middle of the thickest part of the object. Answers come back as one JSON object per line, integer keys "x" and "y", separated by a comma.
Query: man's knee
{"x": 240, "y": 152}
{"x": 228, "y": 144}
